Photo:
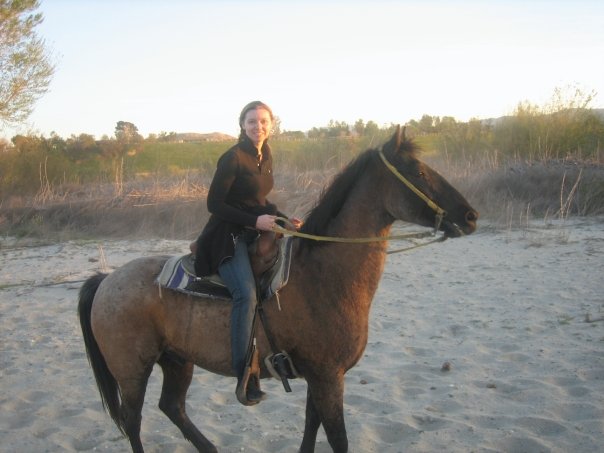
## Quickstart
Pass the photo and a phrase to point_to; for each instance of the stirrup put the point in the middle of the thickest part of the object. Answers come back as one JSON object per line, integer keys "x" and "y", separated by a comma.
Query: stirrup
{"x": 251, "y": 375}
{"x": 281, "y": 366}
{"x": 245, "y": 395}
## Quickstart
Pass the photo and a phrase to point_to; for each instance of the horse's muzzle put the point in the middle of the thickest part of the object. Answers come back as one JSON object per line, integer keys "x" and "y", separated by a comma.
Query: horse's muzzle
{"x": 455, "y": 230}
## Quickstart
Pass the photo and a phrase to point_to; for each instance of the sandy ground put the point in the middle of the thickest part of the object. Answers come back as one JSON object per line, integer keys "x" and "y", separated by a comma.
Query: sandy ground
{"x": 508, "y": 310}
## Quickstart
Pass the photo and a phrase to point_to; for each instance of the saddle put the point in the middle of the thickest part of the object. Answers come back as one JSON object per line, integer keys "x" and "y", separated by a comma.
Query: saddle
{"x": 270, "y": 257}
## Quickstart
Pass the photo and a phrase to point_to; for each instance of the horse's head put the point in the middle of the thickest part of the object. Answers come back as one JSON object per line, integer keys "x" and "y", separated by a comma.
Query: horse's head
{"x": 416, "y": 193}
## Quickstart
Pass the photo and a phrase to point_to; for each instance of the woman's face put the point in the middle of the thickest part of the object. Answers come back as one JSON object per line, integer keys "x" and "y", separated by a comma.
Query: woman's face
{"x": 257, "y": 125}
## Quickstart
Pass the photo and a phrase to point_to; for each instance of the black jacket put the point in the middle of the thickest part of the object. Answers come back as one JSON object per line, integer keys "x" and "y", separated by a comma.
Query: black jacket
{"x": 236, "y": 198}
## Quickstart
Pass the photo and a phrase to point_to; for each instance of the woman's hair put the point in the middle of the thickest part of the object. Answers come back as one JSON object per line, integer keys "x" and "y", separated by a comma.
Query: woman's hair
{"x": 252, "y": 106}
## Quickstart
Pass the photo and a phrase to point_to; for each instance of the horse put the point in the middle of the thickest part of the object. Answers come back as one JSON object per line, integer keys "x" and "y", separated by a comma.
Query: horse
{"x": 322, "y": 321}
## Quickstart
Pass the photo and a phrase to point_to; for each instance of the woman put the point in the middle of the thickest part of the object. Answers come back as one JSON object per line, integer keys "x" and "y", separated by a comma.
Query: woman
{"x": 239, "y": 208}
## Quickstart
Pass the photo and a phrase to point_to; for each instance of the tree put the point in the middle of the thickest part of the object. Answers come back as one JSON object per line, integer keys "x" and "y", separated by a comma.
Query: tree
{"x": 371, "y": 129}
{"x": 27, "y": 143}
{"x": 129, "y": 141}
{"x": 426, "y": 124}
{"x": 126, "y": 132}
{"x": 81, "y": 147}
{"x": 359, "y": 127}
{"x": 276, "y": 126}
{"x": 338, "y": 129}
{"x": 25, "y": 65}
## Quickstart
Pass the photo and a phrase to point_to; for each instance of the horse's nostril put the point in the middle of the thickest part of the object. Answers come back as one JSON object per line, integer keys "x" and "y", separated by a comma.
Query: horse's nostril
{"x": 471, "y": 216}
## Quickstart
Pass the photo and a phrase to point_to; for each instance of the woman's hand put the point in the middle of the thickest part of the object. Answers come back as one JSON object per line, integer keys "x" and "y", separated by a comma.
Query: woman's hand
{"x": 265, "y": 222}
{"x": 296, "y": 222}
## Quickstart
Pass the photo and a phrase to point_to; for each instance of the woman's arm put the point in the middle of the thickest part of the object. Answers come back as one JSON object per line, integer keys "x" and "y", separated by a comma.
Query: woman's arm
{"x": 226, "y": 172}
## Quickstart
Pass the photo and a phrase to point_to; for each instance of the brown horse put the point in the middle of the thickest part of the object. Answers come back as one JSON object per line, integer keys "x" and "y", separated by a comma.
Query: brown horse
{"x": 323, "y": 325}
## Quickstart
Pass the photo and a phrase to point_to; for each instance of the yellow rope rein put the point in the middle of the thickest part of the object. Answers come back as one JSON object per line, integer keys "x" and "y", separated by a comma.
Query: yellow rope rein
{"x": 278, "y": 229}
{"x": 407, "y": 237}
{"x": 440, "y": 213}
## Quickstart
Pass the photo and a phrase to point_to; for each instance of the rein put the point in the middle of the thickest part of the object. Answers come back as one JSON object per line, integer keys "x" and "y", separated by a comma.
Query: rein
{"x": 440, "y": 214}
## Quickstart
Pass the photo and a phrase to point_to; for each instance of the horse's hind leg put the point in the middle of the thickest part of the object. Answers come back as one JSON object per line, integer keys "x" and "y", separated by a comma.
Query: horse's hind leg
{"x": 133, "y": 395}
{"x": 177, "y": 378}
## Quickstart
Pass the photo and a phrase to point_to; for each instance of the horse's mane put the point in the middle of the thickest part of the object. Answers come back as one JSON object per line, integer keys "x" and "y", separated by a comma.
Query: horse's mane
{"x": 333, "y": 197}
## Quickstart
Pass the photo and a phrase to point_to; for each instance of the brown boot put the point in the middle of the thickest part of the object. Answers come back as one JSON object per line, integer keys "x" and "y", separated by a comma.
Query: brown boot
{"x": 253, "y": 390}
{"x": 248, "y": 389}
{"x": 248, "y": 386}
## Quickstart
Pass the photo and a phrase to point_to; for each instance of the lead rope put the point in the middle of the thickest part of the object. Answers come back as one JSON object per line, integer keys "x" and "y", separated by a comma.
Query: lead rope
{"x": 407, "y": 237}
{"x": 314, "y": 237}
{"x": 440, "y": 214}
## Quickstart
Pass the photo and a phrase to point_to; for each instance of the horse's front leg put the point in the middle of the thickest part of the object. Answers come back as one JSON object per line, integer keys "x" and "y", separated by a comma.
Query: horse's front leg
{"x": 311, "y": 426}
{"x": 325, "y": 405}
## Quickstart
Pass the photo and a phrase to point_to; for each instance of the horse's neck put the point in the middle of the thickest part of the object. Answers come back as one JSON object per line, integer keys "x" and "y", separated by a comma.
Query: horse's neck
{"x": 360, "y": 217}
{"x": 354, "y": 269}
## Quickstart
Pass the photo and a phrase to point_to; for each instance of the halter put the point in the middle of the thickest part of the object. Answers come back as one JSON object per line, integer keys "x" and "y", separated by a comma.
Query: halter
{"x": 440, "y": 214}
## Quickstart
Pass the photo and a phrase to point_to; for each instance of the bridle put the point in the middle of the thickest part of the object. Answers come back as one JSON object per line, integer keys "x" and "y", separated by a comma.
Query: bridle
{"x": 440, "y": 214}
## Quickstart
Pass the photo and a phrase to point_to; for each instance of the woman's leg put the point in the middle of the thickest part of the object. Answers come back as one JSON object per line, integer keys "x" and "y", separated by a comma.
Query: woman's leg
{"x": 239, "y": 278}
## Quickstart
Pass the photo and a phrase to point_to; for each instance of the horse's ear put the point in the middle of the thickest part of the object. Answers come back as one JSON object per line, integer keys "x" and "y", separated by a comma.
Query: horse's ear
{"x": 397, "y": 138}
{"x": 395, "y": 142}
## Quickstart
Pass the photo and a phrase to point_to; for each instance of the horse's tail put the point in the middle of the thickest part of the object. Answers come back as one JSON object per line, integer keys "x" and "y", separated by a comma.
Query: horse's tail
{"x": 108, "y": 388}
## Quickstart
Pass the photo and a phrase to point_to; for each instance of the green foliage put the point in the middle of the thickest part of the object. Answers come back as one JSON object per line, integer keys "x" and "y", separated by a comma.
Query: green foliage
{"x": 25, "y": 66}
{"x": 323, "y": 152}
{"x": 165, "y": 158}
{"x": 549, "y": 133}
{"x": 310, "y": 154}
{"x": 127, "y": 132}
{"x": 333, "y": 130}
{"x": 564, "y": 128}
{"x": 32, "y": 162}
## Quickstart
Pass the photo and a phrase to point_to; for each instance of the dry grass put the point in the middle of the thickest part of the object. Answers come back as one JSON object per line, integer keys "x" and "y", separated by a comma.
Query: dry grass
{"x": 507, "y": 196}
{"x": 511, "y": 194}
{"x": 172, "y": 208}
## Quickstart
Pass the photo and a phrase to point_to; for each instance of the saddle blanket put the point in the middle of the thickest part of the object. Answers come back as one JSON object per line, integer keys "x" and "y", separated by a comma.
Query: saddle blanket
{"x": 178, "y": 274}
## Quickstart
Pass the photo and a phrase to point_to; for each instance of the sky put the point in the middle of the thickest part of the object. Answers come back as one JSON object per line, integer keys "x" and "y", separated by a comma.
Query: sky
{"x": 190, "y": 66}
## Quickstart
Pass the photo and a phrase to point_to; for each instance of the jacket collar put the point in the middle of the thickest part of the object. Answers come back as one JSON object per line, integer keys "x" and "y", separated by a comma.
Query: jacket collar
{"x": 246, "y": 145}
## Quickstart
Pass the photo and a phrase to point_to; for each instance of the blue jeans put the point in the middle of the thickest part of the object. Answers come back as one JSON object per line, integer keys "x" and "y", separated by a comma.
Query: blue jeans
{"x": 236, "y": 272}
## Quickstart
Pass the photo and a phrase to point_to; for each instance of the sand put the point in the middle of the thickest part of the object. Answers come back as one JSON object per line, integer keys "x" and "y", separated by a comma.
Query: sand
{"x": 490, "y": 343}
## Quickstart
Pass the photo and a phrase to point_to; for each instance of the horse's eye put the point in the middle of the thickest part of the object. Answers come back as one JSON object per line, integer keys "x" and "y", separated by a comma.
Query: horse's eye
{"x": 421, "y": 174}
